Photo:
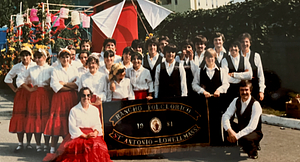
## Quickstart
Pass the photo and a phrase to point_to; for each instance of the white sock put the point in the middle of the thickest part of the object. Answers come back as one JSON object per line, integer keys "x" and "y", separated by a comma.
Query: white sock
{"x": 20, "y": 143}
{"x": 52, "y": 150}
{"x": 38, "y": 146}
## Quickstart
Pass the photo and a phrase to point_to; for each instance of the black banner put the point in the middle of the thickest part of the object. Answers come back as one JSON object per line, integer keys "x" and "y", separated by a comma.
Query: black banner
{"x": 155, "y": 123}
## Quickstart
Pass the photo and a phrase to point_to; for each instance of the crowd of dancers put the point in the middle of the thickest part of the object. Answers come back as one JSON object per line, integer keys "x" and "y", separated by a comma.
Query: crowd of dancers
{"x": 47, "y": 100}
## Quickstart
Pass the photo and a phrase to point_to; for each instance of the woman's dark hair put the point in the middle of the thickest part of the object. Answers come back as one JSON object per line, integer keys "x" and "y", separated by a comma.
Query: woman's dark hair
{"x": 139, "y": 55}
{"x": 137, "y": 43}
{"x": 80, "y": 93}
{"x": 127, "y": 50}
{"x": 25, "y": 53}
{"x": 109, "y": 53}
{"x": 84, "y": 51}
{"x": 63, "y": 53}
{"x": 92, "y": 58}
{"x": 107, "y": 40}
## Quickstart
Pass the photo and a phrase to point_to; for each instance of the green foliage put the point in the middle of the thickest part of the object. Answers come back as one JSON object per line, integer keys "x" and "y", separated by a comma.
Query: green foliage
{"x": 260, "y": 18}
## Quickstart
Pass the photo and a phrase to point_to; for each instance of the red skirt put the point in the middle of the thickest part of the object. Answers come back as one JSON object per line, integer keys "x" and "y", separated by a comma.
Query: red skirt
{"x": 81, "y": 150}
{"x": 139, "y": 95}
{"x": 124, "y": 99}
{"x": 61, "y": 104}
{"x": 17, "y": 123}
{"x": 38, "y": 110}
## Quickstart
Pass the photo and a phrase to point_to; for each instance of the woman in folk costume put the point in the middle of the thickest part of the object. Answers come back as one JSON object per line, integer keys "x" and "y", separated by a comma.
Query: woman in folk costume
{"x": 126, "y": 57}
{"x": 140, "y": 78}
{"x": 85, "y": 142}
{"x": 65, "y": 97}
{"x": 83, "y": 56}
{"x": 94, "y": 80}
{"x": 16, "y": 124}
{"x": 123, "y": 89}
{"x": 38, "y": 106}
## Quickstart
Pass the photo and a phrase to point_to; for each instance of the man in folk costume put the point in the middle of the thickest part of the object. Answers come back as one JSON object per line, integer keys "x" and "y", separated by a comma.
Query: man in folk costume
{"x": 258, "y": 79}
{"x": 200, "y": 44}
{"x": 218, "y": 40}
{"x": 238, "y": 68}
{"x": 248, "y": 129}
{"x": 170, "y": 77}
{"x": 211, "y": 83}
{"x": 153, "y": 59}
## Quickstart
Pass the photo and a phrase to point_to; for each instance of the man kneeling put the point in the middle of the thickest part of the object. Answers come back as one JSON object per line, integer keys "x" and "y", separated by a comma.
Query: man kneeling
{"x": 248, "y": 111}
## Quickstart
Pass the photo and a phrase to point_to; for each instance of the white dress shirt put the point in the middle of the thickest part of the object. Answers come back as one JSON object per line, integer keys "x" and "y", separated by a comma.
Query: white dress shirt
{"x": 38, "y": 75}
{"x": 17, "y": 70}
{"x": 81, "y": 118}
{"x": 260, "y": 71}
{"x": 238, "y": 76}
{"x": 60, "y": 74}
{"x": 169, "y": 69}
{"x": 153, "y": 61}
{"x": 140, "y": 79}
{"x": 198, "y": 59}
{"x": 255, "y": 115}
{"x": 97, "y": 84}
{"x": 82, "y": 70}
{"x": 210, "y": 73}
{"x": 123, "y": 90}
{"x": 130, "y": 65}
{"x": 220, "y": 55}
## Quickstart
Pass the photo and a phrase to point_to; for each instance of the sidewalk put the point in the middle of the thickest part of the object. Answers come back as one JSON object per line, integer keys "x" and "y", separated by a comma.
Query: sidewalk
{"x": 7, "y": 96}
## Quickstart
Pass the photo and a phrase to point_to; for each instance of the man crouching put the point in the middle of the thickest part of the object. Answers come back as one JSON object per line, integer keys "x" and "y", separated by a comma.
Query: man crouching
{"x": 248, "y": 111}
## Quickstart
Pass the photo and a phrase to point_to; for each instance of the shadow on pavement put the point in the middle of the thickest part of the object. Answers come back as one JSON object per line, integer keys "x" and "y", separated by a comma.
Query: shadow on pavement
{"x": 7, "y": 153}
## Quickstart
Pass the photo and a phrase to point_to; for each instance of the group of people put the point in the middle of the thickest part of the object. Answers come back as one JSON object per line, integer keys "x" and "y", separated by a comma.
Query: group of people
{"x": 47, "y": 97}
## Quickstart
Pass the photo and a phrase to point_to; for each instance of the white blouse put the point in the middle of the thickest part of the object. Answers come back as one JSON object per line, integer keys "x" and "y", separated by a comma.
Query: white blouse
{"x": 81, "y": 118}
{"x": 123, "y": 90}
{"x": 130, "y": 65}
{"x": 17, "y": 70}
{"x": 105, "y": 71}
{"x": 97, "y": 84}
{"x": 140, "y": 79}
{"x": 38, "y": 75}
{"x": 82, "y": 70}
{"x": 60, "y": 74}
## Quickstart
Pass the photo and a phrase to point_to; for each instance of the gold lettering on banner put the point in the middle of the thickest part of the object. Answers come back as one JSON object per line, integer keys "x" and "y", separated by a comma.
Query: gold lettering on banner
{"x": 156, "y": 140}
{"x": 150, "y": 107}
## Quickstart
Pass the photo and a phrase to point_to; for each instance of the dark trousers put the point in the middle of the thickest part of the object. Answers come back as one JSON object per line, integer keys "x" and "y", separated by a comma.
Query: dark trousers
{"x": 249, "y": 142}
{"x": 216, "y": 108}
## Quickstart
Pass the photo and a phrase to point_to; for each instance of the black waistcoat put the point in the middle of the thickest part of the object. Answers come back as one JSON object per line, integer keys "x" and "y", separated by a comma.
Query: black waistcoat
{"x": 147, "y": 66}
{"x": 231, "y": 68}
{"x": 244, "y": 119}
{"x": 169, "y": 86}
{"x": 210, "y": 85}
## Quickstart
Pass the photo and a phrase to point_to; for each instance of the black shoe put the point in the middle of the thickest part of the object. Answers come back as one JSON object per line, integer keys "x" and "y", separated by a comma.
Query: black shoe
{"x": 253, "y": 155}
{"x": 258, "y": 148}
{"x": 18, "y": 148}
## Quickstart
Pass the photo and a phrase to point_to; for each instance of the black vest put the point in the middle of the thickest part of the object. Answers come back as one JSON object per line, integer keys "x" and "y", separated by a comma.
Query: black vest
{"x": 244, "y": 119}
{"x": 210, "y": 85}
{"x": 169, "y": 86}
{"x": 231, "y": 68}
{"x": 147, "y": 66}
{"x": 254, "y": 73}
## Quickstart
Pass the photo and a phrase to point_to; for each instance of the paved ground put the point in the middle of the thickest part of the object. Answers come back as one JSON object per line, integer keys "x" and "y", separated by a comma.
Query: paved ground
{"x": 277, "y": 145}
